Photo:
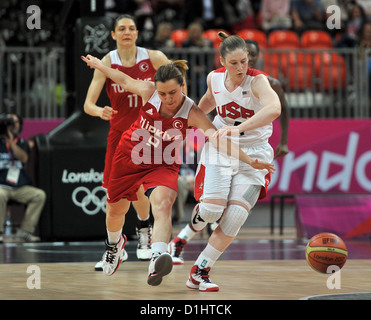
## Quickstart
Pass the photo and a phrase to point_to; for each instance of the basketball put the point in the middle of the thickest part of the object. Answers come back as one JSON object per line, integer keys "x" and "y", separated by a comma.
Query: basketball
{"x": 324, "y": 250}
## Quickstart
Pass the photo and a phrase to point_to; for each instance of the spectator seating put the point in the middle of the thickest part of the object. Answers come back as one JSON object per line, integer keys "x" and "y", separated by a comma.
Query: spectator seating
{"x": 178, "y": 36}
{"x": 331, "y": 68}
{"x": 312, "y": 39}
{"x": 283, "y": 39}
{"x": 256, "y": 35}
{"x": 212, "y": 35}
{"x": 297, "y": 67}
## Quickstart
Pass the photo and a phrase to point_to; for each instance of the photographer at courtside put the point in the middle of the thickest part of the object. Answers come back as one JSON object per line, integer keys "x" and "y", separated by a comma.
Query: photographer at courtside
{"x": 14, "y": 182}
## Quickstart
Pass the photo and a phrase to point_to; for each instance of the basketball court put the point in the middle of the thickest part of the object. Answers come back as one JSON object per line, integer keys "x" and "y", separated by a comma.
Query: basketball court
{"x": 257, "y": 266}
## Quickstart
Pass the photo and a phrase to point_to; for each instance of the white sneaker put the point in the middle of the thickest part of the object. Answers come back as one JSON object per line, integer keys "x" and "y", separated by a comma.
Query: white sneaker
{"x": 175, "y": 249}
{"x": 111, "y": 258}
{"x": 160, "y": 266}
{"x": 144, "y": 251}
{"x": 199, "y": 279}
{"x": 99, "y": 265}
{"x": 197, "y": 223}
{"x": 26, "y": 236}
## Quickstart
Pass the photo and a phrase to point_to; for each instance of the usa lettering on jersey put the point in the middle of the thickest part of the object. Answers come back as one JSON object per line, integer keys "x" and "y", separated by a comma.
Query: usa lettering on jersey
{"x": 234, "y": 111}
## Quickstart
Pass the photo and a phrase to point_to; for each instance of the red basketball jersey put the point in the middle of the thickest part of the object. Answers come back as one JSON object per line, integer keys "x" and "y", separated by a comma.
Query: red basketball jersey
{"x": 127, "y": 103}
{"x": 154, "y": 139}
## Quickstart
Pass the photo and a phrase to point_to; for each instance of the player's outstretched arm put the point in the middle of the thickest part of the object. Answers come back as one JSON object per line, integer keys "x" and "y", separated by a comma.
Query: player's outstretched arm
{"x": 198, "y": 119}
{"x": 123, "y": 80}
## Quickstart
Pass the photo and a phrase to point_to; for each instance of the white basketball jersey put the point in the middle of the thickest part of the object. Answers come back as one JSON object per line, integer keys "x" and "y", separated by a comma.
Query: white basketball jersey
{"x": 235, "y": 107}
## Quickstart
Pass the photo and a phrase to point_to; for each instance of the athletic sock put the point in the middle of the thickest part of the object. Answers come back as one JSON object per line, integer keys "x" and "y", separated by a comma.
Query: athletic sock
{"x": 186, "y": 233}
{"x": 208, "y": 257}
{"x": 159, "y": 247}
{"x": 114, "y": 237}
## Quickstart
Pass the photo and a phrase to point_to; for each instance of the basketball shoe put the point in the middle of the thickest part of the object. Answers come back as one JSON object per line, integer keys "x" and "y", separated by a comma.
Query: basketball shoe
{"x": 111, "y": 258}
{"x": 197, "y": 223}
{"x": 199, "y": 279}
{"x": 175, "y": 249}
{"x": 99, "y": 265}
{"x": 144, "y": 251}
{"x": 161, "y": 264}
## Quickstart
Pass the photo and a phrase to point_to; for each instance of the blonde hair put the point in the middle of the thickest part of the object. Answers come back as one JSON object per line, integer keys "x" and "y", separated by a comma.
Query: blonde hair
{"x": 230, "y": 43}
{"x": 174, "y": 70}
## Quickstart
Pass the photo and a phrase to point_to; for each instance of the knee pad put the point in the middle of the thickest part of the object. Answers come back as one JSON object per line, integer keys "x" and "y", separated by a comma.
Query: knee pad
{"x": 233, "y": 219}
{"x": 210, "y": 212}
{"x": 246, "y": 194}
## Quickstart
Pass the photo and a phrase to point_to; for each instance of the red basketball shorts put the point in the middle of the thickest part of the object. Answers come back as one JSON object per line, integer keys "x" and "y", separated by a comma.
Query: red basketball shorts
{"x": 126, "y": 178}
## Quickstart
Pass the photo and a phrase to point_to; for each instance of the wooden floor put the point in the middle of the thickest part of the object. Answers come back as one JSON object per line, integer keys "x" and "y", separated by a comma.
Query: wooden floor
{"x": 257, "y": 266}
{"x": 238, "y": 280}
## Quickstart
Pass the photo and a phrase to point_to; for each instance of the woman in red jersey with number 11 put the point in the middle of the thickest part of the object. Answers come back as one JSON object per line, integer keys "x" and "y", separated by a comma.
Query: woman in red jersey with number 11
{"x": 139, "y": 63}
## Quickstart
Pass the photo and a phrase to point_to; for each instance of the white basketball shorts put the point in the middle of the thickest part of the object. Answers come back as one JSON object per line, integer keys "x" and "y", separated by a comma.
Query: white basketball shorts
{"x": 220, "y": 176}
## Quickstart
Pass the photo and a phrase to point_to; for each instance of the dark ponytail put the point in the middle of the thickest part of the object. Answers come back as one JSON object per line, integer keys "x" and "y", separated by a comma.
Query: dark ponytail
{"x": 174, "y": 70}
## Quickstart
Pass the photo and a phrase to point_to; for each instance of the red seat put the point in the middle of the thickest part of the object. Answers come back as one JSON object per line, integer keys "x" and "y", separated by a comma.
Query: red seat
{"x": 316, "y": 39}
{"x": 212, "y": 35}
{"x": 178, "y": 36}
{"x": 299, "y": 77}
{"x": 331, "y": 68}
{"x": 256, "y": 35}
{"x": 294, "y": 66}
{"x": 283, "y": 39}
{"x": 287, "y": 59}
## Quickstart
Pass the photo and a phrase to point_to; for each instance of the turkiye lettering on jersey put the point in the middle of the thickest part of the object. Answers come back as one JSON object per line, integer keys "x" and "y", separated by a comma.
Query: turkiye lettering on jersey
{"x": 127, "y": 103}
{"x": 154, "y": 139}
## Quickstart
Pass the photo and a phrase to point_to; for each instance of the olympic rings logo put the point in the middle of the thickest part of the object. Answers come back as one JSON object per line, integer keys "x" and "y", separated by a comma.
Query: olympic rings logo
{"x": 89, "y": 201}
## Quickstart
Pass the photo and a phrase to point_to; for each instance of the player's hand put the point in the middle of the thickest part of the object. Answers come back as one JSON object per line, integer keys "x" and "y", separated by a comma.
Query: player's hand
{"x": 226, "y": 131}
{"x": 261, "y": 165}
{"x": 281, "y": 151}
{"x": 107, "y": 113}
{"x": 91, "y": 61}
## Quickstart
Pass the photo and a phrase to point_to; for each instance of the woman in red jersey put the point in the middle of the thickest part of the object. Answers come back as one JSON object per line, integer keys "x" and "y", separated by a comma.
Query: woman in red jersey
{"x": 139, "y": 63}
{"x": 147, "y": 155}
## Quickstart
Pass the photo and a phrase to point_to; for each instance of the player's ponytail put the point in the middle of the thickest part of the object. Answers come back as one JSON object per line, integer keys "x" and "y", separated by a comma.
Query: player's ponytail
{"x": 230, "y": 43}
{"x": 174, "y": 70}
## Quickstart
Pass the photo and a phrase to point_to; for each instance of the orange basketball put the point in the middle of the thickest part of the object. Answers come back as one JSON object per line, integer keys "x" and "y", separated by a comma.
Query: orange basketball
{"x": 324, "y": 250}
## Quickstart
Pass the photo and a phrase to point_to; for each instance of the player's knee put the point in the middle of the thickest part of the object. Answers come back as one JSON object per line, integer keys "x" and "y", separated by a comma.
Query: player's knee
{"x": 233, "y": 219}
{"x": 210, "y": 212}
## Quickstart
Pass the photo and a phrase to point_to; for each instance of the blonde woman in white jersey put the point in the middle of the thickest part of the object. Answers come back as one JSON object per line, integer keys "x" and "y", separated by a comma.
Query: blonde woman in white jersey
{"x": 246, "y": 105}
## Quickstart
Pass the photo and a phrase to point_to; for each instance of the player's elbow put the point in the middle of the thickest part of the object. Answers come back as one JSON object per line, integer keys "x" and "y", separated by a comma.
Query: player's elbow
{"x": 87, "y": 108}
{"x": 276, "y": 110}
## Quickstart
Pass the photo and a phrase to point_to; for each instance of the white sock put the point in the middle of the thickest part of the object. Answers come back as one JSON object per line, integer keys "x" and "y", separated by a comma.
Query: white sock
{"x": 114, "y": 237}
{"x": 159, "y": 247}
{"x": 186, "y": 233}
{"x": 208, "y": 257}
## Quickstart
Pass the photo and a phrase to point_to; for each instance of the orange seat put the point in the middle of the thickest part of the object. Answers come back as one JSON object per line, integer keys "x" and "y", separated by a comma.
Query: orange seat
{"x": 283, "y": 39}
{"x": 272, "y": 70}
{"x": 256, "y": 35}
{"x": 212, "y": 35}
{"x": 299, "y": 77}
{"x": 178, "y": 36}
{"x": 331, "y": 68}
{"x": 286, "y": 59}
{"x": 316, "y": 39}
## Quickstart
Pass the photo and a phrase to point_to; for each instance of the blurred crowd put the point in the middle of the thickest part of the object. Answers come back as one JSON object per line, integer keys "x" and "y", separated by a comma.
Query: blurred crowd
{"x": 156, "y": 19}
